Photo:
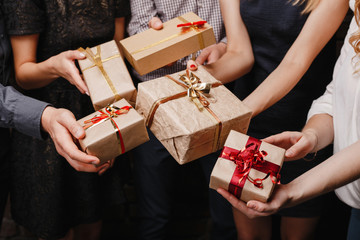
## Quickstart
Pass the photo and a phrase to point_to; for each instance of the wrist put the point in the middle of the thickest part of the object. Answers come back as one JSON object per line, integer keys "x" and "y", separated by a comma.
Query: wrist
{"x": 46, "y": 118}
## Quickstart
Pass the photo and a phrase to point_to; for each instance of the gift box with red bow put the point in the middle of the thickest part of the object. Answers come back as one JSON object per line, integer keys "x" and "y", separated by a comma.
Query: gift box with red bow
{"x": 247, "y": 167}
{"x": 191, "y": 113}
{"x": 179, "y": 37}
{"x": 106, "y": 75}
{"x": 113, "y": 131}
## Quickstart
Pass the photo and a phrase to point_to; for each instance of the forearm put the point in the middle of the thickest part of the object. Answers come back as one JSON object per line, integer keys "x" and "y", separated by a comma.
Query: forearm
{"x": 32, "y": 75}
{"x": 322, "y": 127}
{"x": 338, "y": 170}
{"x": 317, "y": 31}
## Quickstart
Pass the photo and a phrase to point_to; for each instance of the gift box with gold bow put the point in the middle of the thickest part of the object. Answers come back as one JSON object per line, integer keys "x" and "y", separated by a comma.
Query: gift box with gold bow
{"x": 179, "y": 37}
{"x": 113, "y": 131}
{"x": 106, "y": 75}
{"x": 247, "y": 167}
{"x": 191, "y": 113}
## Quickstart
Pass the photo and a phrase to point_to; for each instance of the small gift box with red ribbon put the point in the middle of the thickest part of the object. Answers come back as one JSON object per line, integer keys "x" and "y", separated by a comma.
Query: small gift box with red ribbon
{"x": 106, "y": 75}
{"x": 247, "y": 167}
{"x": 113, "y": 131}
{"x": 191, "y": 113}
{"x": 179, "y": 37}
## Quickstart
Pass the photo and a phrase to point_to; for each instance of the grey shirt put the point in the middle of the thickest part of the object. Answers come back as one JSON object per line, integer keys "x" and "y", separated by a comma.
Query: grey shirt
{"x": 20, "y": 112}
{"x": 143, "y": 10}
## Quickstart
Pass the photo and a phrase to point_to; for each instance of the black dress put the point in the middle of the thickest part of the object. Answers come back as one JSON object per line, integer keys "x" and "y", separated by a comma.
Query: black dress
{"x": 47, "y": 195}
{"x": 273, "y": 26}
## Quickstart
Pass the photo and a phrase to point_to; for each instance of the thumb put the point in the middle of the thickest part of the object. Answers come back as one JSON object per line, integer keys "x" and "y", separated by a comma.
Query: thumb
{"x": 67, "y": 119}
{"x": 75, "y": 54}
{"x": 155, "y": 23}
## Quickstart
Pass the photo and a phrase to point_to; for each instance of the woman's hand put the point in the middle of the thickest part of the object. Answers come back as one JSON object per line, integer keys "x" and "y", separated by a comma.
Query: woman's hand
{"x": 63, "y": 65}
{"x": 297, "y": 144}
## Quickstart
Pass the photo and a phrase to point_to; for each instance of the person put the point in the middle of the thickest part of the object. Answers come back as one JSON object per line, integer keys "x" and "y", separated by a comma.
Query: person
{"x": 155, "y": 171}
{"x": 332, "y": 118}
{"x": 60, "y": 202}
{"x": 282, "y": 54}
{"x": 33, "y": 117}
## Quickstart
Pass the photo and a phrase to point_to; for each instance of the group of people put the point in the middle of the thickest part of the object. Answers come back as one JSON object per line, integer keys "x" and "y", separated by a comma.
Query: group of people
{"x": 277, "y": 56}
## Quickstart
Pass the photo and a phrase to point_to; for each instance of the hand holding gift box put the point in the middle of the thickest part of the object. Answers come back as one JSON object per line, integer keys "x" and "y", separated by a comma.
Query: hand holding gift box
{"x": 113, "y": 131}
{"x": 106, "y": 75}
{"x": 187, "y": 117}
{"x": 179, "y": 37}
{"x": 247, "y": 167}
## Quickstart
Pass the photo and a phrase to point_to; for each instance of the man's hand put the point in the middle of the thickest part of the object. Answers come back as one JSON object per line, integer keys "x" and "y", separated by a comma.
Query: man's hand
{"x": 61, "y": 126}
{"x": 155, "y": 23}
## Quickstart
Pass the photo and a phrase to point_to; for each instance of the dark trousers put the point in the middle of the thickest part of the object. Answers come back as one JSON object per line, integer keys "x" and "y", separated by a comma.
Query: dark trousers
{"x": 155, "y": 173}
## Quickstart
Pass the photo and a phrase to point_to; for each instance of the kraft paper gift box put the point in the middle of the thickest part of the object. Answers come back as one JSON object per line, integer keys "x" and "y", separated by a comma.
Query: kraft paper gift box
{"x": 186, "y": 126}
{"x": 247, "y": 167}
{"x": 113, "y": 131}
{"x": 153, "y": 49}
{"x": 106, "y": 75}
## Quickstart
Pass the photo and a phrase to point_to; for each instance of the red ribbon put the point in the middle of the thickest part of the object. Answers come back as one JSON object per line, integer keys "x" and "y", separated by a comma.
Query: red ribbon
{"x": 111, "y": 112}
{"x": 246, "y": 159}
{"x": 192, "y": 24}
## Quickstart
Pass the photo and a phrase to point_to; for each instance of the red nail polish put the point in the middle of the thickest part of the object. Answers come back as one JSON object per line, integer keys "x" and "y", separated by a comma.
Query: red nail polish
{"x": 192, "y": 66}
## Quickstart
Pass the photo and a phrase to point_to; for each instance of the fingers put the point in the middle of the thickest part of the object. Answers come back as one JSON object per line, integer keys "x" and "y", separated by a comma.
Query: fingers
{"x": 191, "y": 65}
{"x": 79, "y": 83}
{"x": 204, "y": 55}
{"x": 68, "y": 121}
{"x": 155, "y": 23}
{"x": 72, "y": 73}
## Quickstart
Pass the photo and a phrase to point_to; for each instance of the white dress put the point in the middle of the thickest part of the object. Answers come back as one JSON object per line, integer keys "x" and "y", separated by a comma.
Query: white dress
{"x": 342, "y": 101}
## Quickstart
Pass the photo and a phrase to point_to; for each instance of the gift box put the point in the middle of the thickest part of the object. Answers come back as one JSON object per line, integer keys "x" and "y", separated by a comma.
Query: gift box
{"x": 247, "y": 167}
{"x": 106, "y": 75}
{"x": 113, "y": 131}
{"x": 179, "y": 37}
{"x": 191, "y": 113}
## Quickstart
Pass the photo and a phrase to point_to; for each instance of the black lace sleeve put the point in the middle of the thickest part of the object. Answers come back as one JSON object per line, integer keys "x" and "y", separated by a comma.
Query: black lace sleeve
{"x": 122, "y": 8}
{"x": 24, "y": 17}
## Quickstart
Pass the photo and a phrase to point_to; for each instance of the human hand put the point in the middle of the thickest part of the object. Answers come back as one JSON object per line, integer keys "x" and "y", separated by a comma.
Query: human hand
{"x": 211, "y": 53}
{"x": 61, "y": 126}
{"x": 298, "y": 144}
{"x": 64, "y": 66}
{"x": 252, "y": 209}
{"x": 155, "y": 23}
{"x": 107, "y": 165}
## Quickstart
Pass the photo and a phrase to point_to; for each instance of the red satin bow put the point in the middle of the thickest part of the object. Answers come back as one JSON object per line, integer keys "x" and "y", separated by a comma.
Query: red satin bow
{"x": 192, "y": 24}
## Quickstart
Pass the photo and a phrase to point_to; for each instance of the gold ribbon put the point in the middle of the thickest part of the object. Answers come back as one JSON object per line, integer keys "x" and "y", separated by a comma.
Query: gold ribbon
{"x": 183, "y": 31}
{"x": 195, "y": 93}
{"x": 110, "y": 112}
{"x": 98, "y": 62}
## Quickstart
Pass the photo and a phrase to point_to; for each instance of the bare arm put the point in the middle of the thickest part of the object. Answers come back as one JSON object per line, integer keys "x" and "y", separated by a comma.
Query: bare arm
{"x": 31, "y": 74}
{"x": 320, "y": 26}
{"x": 238, "y": 59}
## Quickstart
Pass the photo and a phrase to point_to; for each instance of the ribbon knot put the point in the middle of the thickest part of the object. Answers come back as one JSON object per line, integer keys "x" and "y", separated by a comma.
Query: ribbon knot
{"x": 110, "y": 112}
{"x": 195, "y": 89}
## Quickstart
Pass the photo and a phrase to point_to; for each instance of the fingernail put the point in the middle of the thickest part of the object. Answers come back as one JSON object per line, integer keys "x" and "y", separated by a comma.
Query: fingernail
{"x": 82, "y": 55}
{"x": 95, "y": 162}
{"x": 192, "y": 66}
{"x": 157, "y": 25}
{"x": 87, "y": 93}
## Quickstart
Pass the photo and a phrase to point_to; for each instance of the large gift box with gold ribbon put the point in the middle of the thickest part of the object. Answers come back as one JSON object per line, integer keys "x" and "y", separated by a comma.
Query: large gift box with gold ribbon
{"x": 106, "y": 75}
{"x": 191, "y": 113}
{"x": 247, "y": 167}
{"x": 179, "y": 37}
{"x": 113, "y": 131}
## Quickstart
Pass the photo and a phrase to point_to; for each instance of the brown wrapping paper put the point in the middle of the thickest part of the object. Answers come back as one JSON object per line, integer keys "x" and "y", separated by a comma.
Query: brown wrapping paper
{"x": 185, "y": 131}
{"x": 101, "y": 92}
{"x": 101, "y": 140}
{"x": 224, "y": 169}
{"x": 153, "y": 49}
